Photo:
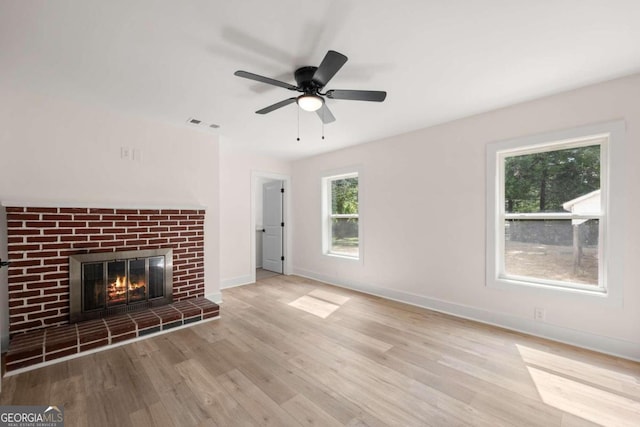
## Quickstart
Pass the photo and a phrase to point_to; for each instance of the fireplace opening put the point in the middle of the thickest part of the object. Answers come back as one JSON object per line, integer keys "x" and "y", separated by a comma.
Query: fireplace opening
{"x": 109, "y": 283}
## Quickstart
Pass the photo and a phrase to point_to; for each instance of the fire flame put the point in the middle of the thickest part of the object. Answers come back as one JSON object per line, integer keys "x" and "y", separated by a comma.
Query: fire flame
{"x": 118, "y": 289}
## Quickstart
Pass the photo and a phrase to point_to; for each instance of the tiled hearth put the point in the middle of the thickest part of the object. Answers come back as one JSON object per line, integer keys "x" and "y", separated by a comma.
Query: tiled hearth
{"x": 34, "y": 348}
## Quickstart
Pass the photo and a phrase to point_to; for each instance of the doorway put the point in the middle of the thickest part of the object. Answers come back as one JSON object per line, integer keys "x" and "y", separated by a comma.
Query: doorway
{"x": 270, "y": 230}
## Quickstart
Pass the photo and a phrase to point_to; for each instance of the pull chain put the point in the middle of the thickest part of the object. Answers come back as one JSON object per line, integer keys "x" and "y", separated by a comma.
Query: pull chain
{"x": 323, "y": 112}
{"x": 298, "y": 139}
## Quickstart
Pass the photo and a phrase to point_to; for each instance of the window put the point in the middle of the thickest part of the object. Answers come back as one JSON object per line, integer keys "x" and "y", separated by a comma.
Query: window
{"x": 341, "y": 212}
{"x": 548, "y": 216}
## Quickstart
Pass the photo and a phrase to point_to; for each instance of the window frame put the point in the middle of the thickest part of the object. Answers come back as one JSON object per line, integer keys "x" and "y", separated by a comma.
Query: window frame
{"x": 610, "y": 137}
{"x": 328, "y": 215}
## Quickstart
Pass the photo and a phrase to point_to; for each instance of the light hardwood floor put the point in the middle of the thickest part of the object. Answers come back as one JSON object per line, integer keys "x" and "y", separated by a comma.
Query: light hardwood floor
{"x": 292, "y": 351}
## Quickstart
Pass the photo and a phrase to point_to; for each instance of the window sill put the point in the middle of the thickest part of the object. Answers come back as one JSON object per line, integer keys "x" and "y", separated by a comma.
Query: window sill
{"x": 342, "y": 256}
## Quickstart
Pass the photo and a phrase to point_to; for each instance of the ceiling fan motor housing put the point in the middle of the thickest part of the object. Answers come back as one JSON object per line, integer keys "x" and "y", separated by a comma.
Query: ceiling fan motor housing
{"x": 304, "y": 78}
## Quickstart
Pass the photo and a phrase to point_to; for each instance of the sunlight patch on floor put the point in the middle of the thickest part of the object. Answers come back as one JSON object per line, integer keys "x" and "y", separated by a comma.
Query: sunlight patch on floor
{"x": 585, "y": 401}
{"x": 319, "y": 303}
{"x": 593, "y": 393}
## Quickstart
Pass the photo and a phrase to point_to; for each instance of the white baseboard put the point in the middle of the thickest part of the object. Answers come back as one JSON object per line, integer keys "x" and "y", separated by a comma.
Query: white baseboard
{"x": 236, "y": 281}
{"x": 217, "y": 297}
{"x": 603, "y": 344}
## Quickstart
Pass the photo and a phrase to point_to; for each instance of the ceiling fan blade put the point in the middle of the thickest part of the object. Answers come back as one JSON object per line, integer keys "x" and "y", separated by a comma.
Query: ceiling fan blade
{"x": 325, "y": 114}
{"x": 277, "y": 105}
{"x": 263, "y": 79}
{"x": 358, "y": 95}
{"x": 329, "y": 66}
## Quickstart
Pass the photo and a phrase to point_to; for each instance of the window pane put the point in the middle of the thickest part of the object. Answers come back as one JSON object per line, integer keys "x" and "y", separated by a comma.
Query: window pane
{"x": 543, "y": 182}
{"x": 560, "y": 250}
{"x": 344, "y": 196}
{"x": 344, "y": 236}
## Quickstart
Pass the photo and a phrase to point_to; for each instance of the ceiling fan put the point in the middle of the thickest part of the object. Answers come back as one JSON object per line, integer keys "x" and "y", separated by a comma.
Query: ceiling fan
{"x": 311, "y": 80}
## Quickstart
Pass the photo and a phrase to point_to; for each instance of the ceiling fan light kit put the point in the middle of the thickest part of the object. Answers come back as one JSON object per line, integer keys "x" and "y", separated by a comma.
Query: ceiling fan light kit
{"x": 311, "y": 80}
{"x": 310, "y": 102}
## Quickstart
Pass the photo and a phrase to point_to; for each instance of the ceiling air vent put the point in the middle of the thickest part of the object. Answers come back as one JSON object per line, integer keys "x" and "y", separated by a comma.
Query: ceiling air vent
{"x": 203, "y": 125}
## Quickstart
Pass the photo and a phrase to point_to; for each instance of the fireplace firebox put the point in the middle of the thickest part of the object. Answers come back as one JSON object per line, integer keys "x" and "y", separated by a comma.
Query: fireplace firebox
{"x": 104, "y": 284}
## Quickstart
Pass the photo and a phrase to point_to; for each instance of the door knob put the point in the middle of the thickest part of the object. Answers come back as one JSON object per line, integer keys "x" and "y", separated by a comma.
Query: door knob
{"x": 4, "y": 263}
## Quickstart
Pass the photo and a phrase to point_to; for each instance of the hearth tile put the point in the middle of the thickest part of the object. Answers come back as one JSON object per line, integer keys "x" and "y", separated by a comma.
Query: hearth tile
{"x": 206, "y": 305}
{"x": 60, "y": 337}
{"x": 94, "y": 344}
{"x": 92, "y": 330}
{"x": 187, "y": 309}
{"x": 170, "y": 325}
{"x": 27, "y": 339}
{"x": 118, "y": 325}
{"x": 59, "y": 354}
{"x": 123, "y": 337}
{"x": 22, "y": 363}
{"x": 143, "y": 332}
{"x": 145, "y": 319}
{"x": 167, "y": 313}
{"x": 192, "y": 319}
{"x": 25, "y": 347}
{"x": 211, "y": 314}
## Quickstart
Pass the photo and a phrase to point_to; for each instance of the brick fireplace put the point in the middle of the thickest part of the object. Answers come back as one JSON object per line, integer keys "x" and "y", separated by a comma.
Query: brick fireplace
{"x": 41, "y": 240}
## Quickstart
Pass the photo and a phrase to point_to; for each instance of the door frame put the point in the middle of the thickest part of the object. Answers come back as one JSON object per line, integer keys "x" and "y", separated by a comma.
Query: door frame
{"x": 287, "y": 234}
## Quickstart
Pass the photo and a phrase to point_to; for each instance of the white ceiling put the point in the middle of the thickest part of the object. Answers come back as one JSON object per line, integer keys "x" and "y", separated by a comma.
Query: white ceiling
{"x": 438, "y": 60}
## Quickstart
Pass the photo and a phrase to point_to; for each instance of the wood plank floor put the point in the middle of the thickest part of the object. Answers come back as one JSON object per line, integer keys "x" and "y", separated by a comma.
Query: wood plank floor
{"x": 292, "y": 351}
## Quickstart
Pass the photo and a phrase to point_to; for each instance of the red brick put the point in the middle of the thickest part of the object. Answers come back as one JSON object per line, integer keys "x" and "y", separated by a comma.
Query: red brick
{"x": 43, "y": 285}
{"x": 90, "y": 217}
{"x": 39, "y": 300}
{"x": 26, "y": 263}
{"x": 113, "y": 230}
{"x": 58, "y": 304}
{"x": 56, "y": 291}
{"x": 115, "y": 339}
{"x": 158, "y": 229}
{"x": 101, "y": 237}
{"x": 58, "y": 261}
{"x": 23, "y": 232}
{"x": 127, "y": 211}
{"x": 149, "y": 211}
{"x": 178, "y": 239}
{"x": 42, "y": 254}
{"x": 42, "y": 210}
{"x": 101, "y": 224}
{"x": 20, "y": 248}
{"x": 14, "y": 209}
{"x": 74, "y": 238}
{"x": 101, "y": 210}
{"x": 169, "y": 212}
{"x": 112, "y": 244}
{"x": 56, "y": 246}
{"x": 74, "y": 210}
{"x": 42, "y": 239}
{"x": 57, "y": 231}
{"x": 42, "y": 314}
{"x": 113, "y": 217}
{"x": 148, "y": 223}
{"x": 41, "y": 270}
{"x": 22, "y": 217}
{"x": 54, "y": 276}
{"x": 169, "y": 223}
{"x": 23, "y": 278}
{"x": 56, "y": 217}
{"x": 56, "y": 320}
{"x": 72, "y": 224}
{"x": 125, "y": 224}
{"x": 25, "y": 310}
{"x": 137, "y": 217}
{"x": 87, "y": 231}
{"x": 41, "y": 224}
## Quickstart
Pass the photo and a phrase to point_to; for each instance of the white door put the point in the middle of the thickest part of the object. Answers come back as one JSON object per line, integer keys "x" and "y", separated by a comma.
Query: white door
{"x": 273, "y": 223}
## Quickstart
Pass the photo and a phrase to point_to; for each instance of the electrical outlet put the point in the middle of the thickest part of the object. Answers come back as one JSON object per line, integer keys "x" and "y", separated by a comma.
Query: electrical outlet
{"x": 539, "y": 314}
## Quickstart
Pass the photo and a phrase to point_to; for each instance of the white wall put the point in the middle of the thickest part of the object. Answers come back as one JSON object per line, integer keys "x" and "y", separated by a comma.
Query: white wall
{"x": 55, "y": 151}
{"x": 236, "y": 169}
{"x": 423, "y": 219}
